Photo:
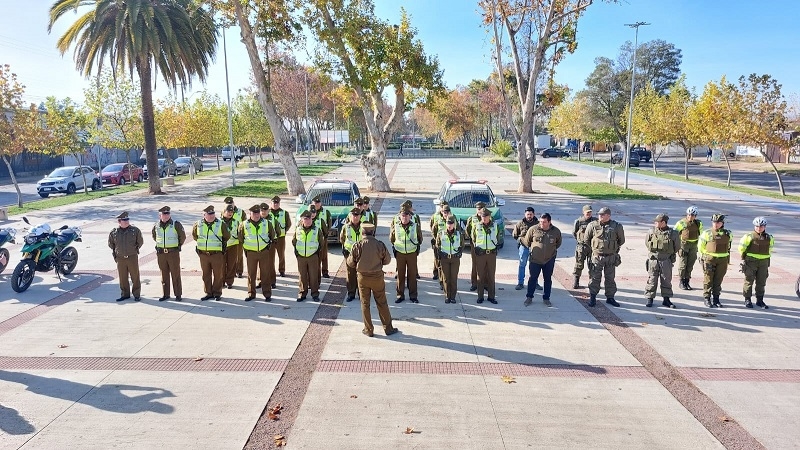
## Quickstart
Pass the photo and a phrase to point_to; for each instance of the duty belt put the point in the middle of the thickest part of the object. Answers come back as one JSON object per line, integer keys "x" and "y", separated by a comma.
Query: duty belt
{"x": 208, "y": 253}
{"x": 166, "y": 250}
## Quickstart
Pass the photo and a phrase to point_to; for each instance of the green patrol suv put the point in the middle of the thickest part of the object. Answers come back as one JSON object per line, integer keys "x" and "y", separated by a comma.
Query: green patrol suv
{"x": 338, "y": 196}
{"x": 461, "y": 196}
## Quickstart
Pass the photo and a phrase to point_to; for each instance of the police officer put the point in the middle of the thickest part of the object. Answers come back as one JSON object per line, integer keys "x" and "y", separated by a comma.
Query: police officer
{"x": 169, "y": 236}
{"x": 125, "y": 241}
{"x": 487, "y": 238}
{"x": 523, "y": 251}
{"x": 256, "y": 236}
{"x": 605, "y": 237}
{"x": 715, "y": 251}
{"x": 368, "y": 256}
{"x": 230, "y": 220}
{"x": 348, "y": 236}
{"x": 662, "y": 244}
{"x": 448, "y": 248}
{"x": 471, "y": 222}
{"x": 323, "y": 220}
{"x": 307, "y": 243}
{"x": 543, "y": 241}
{"x": 583, "y": 252}
{"x": 407, "y": 205}
{"x": 689, "y": 229}
{"x": 755, "y": 249}
{"x": 405, "y": 237}
{"x": 241, "y": 216}
{"x": 212, "y": 240}
{"x": 437, "y": 221}
{"x": 368, "y": 214}
{"x": 282, "y": 223}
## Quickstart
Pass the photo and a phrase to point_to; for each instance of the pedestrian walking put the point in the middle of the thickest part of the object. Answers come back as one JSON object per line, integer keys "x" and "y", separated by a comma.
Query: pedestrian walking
{"x": 125, "y": 241}
{"x": 169, "y": 236}
{"x": 323, "y": 221}
{"x": 755, "y": 248}
{"x": 709, "y": 152}
{"x": 230, "y": 220}
{"x": 470, "y": 224}
{"x": 448, "y": 248}
{"x": 307, "y": 243}
{"x": 715, "y": 253}
{"x": 368, "y": 256}
{"x": 689, "y": 229}
{"x": 241, "y": 216}
{"x": 583, "y": 253}
{"x": 282, "y": 222}
{"x": 256, "y": 236}
{"x": 487, "y": 238}
{"x": 405, "y": 237}
{"x": 543, "y": 241}
{"x": 523, "y": 252}
{"x": 662, "y": 245}
{"x": 212, "y": 239}
{"x": 605, "y": 237}
{"x": 348, "y": 236}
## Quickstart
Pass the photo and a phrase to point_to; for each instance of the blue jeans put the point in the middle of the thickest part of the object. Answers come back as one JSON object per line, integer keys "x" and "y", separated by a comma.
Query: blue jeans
{"x": 546, "y": 270}
{"x": 524, "y": 252}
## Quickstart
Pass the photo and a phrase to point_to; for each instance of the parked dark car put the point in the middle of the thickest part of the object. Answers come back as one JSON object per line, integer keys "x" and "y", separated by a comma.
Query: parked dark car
{"x": 554, "y": 153}
{"x": 617, "y": 158}
{"x": 166, "y": 167}
{"x": 644, "y": 154}
{"x": 183, "y": 162}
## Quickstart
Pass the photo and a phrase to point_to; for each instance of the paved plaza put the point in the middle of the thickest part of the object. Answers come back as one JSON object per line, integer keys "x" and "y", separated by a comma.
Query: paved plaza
{"x": 81, "y": 371}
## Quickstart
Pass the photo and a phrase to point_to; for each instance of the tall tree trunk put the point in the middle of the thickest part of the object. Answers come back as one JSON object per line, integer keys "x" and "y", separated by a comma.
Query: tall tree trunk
{"x": 149, "y": 126}
{"x": 283, "y": 145}
{"x": 774, "y": 169}
{"x": 526, "y": 158}
{"x": 728, "y": 163}
{"x": 13, "y": 179}
{"x": 686, "y": 153}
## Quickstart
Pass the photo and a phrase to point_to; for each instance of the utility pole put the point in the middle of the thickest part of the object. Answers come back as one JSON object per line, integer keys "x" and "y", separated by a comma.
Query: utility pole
{"x": 308, "y": 127}
{"x": 230, "y": 113}
{"x": 628, "y": 145}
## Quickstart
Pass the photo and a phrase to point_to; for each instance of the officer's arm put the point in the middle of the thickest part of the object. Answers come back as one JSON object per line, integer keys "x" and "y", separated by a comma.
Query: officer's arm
{"x": 575, "y": 227}
{"x": 558, "y": 238}
{"x": 771, "y": 244}
{"x": 392, "y": 236}
{"x": 154, "y": 231}
{"x": 194, "y": 231}
{"x": 620, "y": 236}
{"x": 744, "y": 243}
{"x": 343, "y": 234}
{"x": 587, "y": 234}
{"x": 139, "y": 239}
{"x": 515, "y": 231}
{"x": 240, "y": 233}
{"x": 419, "y": 235}
{"x": 679, "y": 225}
{"x": 181, "y": 233}
{"x": 501, "y": 234}
{"x": 226, "y": 233}
{"x": 112, "y": 244}
{"x": 730, "y": 241}
{"x": 386, "y": 257}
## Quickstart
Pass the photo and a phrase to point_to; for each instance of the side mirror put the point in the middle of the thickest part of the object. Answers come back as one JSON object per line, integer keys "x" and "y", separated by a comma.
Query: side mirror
{"x": 301, "y": 198}
{"x": 500, "y": 202}
{"x": 25, "y": 219}
{"x": 63, "y": 227}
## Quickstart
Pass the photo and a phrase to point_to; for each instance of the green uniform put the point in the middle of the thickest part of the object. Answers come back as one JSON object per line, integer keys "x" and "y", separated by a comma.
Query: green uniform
{"x": 689, "y": 231}
{"x": 447, "y": 248}
{"x": 368, "y": 256}
{"x": 125, "y": 244}
{"x": 487, "y": 239}
{"x": 662, "y": 247}
{"x": 348, "y": 236}
{"x": 583, "y": 252}
{"x": 282, "y": 223}
{"x": 406, "y": 241}
{"x": 605, "y": 241}
{"x": 233, "y": 250}
{"x": 307, "y": 243}
{"x": 755, "y": 249}
{"x": 715, "y": 248}
{"x": 256, "y": 239}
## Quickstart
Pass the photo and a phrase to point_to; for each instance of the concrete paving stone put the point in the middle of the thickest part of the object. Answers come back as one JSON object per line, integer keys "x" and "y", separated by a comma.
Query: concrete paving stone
{"x": 770, "y": 411}
{"x": 150, "y": 410}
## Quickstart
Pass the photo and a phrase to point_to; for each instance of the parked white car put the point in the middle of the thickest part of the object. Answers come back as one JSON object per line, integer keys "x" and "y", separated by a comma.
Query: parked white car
{"x": 67, "y": 180}
{"x": 226, "y": 153}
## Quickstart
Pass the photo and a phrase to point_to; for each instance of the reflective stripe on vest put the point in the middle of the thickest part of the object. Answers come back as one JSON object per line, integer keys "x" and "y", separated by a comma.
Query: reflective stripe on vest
{"x": 485, "y": 239}
{"x": 166, "y": 237}
{"x": 256, "y": 237}
{"x": 209, "y": 239}
{"x": 717, "y": 244}
{"x": 403, "y": 240}
{"x": 450, "y": 243}
{"x": 307, "y": 241}
{"x": 234, "y": 230}
{"x": 351, "y": 236}
{"x": 280, "y": 222}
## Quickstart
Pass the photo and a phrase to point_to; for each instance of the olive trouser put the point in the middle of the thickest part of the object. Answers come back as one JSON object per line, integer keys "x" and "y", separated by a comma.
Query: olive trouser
{"x": 278, "y": 250}
{"x": 170, "y": 265}
{"x": 486, "y": 264}
{"x": 369, "y": 285}
{"x": 473, "y": 275}
{"x": 128, "y": 271}
{"x": 603, "y": 266}
{"x": 436, "y": 266}
{"x": 448, "y": 275}
{"x": 259, "y": 262}
{"x": 658, "y": 271}
{"x": 231, "y": 260}
{"x": 308, "y": 266}
{"x": 406, "y": 267}
{"x": 239, "y": 260}
{"x": 212, "y": 264}
{"x": 755, "y": 270}
{"x": 714, "y": 269}
{"x": 323, "y": 255}
{"x": 582, "y": 254}
{"x": 688, "y": 255}
{"x": 352, "y": 281}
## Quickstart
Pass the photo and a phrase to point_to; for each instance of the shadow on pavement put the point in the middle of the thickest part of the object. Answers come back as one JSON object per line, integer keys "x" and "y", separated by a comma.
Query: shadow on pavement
{"x": 11, "y": 422}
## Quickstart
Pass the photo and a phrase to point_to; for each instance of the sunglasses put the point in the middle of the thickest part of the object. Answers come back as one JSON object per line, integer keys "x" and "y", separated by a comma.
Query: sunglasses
{"x": 276, "y": 201}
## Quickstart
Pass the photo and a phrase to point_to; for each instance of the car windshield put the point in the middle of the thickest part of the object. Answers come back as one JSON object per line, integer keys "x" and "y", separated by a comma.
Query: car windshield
{"x": 62, "y": 172}
{"x": 466, "y": 197}
{"x": 183, "y": 159}
{"x": 161, "y": 161}
{"x": 113, "y": 167}
{"x": 333, "y": 196}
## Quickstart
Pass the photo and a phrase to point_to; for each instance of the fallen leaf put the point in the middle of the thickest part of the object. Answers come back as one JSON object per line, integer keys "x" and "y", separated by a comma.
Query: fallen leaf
{"x": 198, "y": 359}
{"x": 409, "y": 430}
{"x": 63, "y": 346}
{"x": 725, "y": 418}
{"x": 280, "y": 440}
{"x": 353, "y": 396}
{"x": 644, "y": 324}
{"x": 272, "y": 416}
{"x": 508, "y": 379}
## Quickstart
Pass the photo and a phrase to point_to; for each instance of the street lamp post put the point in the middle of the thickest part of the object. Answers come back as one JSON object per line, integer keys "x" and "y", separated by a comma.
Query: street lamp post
{"x": 308, "y": 127}
{"x": 230, "y": 114}
{"x": 630, "y": 109}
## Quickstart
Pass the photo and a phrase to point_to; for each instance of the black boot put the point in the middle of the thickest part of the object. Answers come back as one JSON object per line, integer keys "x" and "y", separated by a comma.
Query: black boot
{"x": 716, "y": 302}
{"x": 760, "y": 303}
{"x": 683, "y": 284}
{"x": 686, "y": 283}
{"x": 748, "y": 303}
{"x": 667, "y": 303}
{"x": 592, "y": 299}
{"x": 649, "y": 303}
{"x": 612, "y": 302}
{"x": 576, "y": 282}
{"x": 708, "y": 302}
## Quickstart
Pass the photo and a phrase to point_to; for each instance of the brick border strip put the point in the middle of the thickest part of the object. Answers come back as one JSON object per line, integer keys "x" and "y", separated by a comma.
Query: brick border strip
{"x": 142, "y": 364}
{"x": 729, "y": 432}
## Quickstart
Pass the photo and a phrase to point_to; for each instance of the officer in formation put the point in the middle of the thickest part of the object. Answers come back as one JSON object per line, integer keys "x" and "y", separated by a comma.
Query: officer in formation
{"x": 755, "y": 249}
{"x": 437, "y": 220}
{"x": 448, "y": 246}
{"x": 323, "y": 220}
{"x": 523, "y": 251}
{"x": 307, "y": 243}
{"x": 605, "y": 237}
{"x": 487, "y": 238}
{"x": 348, "y": 236}
{"x": 230, "y": 220}
{"x": 256, "y": 236}
{"x": 583, "y": 253}
{"x": 543, "y": 241}
{"x": 282, "y": 223}
{"x": 406, "y": 237}
{"x": 471, "y": 222}
{"x": 212, "y": 239}
{"x": 125, "y": 241}
{"x": 715, "y": 251}
{"x": 169, "y": 236}
{"x": 241, "y": 216}
{"x": 368, "y": 214}
{"x": 368, "y": 256}
{"x": 663, "y": 244}
{"x": 689, "y": 229}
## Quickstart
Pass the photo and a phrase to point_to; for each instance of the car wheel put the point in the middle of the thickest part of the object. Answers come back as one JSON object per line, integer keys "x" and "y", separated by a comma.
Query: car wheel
{"x": 140, "y": 178}
{"x": 70, "y": 189}
{"x": 121, "y": 181}
{"x": 96, "y": 184}
{"x": 163, "y": 174}
{"x": 731, "y": 155}
{"x": 43, "y": 195}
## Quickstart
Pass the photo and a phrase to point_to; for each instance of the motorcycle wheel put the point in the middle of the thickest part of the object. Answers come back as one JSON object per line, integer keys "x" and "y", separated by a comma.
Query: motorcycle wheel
{"x": 67, "y": 260}
{"x": 22, "y": 277}
{"x": 4, "y": 255}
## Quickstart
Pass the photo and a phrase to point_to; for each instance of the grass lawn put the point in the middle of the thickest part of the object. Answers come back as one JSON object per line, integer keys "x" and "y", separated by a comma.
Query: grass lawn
{"x": 605, "y": 191}
{"x": 539, "y": 171}
{"x": 260, "y": 189}
{"x": 79, "y": 196}
{"x": 315, "y": 170}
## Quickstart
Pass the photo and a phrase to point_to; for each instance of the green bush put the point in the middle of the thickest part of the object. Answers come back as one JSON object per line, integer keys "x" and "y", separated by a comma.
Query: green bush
{"x": 502, "y": 149}
{"x": 338, "y": 152}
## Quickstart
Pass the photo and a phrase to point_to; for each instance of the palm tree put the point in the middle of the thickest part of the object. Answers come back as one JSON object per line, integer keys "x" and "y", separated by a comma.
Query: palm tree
{"x": 176, "y": 37}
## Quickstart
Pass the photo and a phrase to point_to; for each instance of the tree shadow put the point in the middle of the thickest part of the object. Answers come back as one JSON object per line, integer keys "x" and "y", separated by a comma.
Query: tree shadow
{"x": 11, "y": 422}
{"x": 107, "y": 397}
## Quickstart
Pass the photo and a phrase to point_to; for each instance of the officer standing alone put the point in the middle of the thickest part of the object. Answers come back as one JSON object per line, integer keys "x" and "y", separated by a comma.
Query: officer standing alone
{"x": 125, "y": 241}
{"x": 662, "y": 244}
{"x": 715, "y": 250}
{"x": 368, "y": 256}
{"x": 755, "y": 248}
{"x": 605, "y": 237}
{"x": 169, "y": 236}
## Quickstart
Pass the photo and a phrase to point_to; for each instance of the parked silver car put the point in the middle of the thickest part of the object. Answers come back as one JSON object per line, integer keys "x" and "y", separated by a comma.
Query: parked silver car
{"x": 182, "y": 164}
{"x": 67, "y": 180}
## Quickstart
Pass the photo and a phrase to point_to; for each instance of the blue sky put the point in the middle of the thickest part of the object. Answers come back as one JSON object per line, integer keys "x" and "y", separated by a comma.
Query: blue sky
{"x": 717, "y": 37}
